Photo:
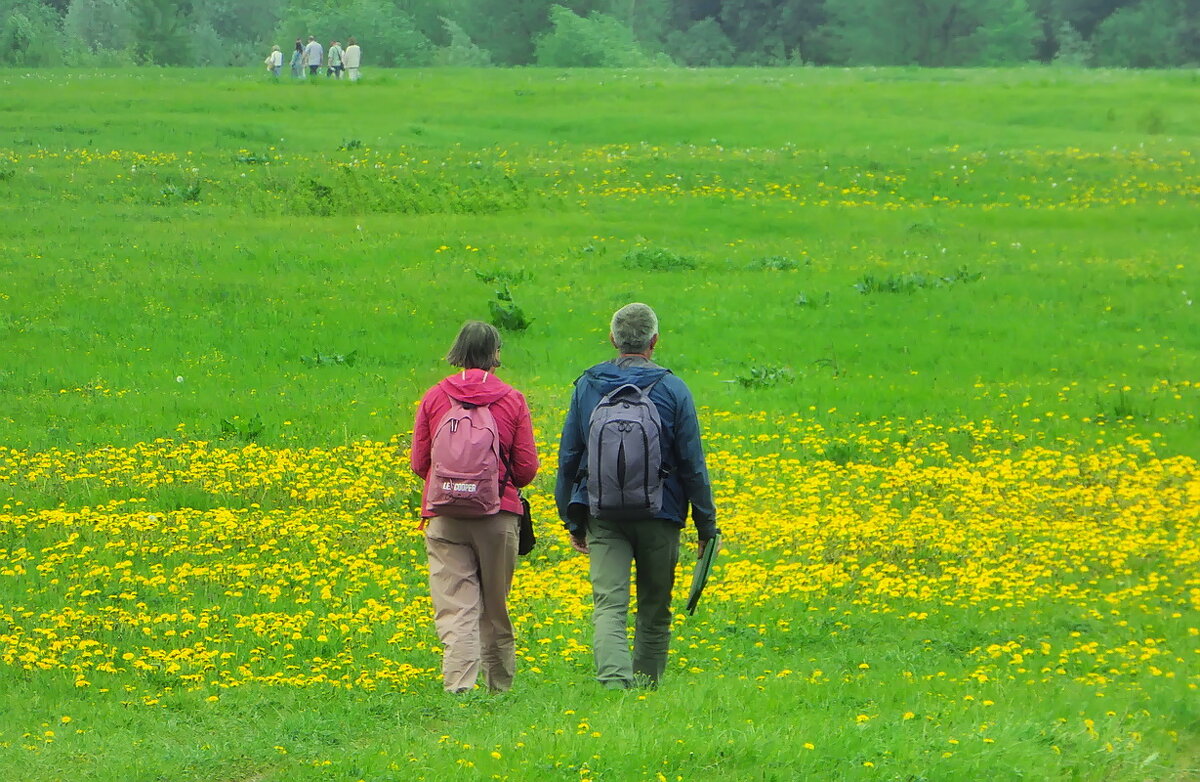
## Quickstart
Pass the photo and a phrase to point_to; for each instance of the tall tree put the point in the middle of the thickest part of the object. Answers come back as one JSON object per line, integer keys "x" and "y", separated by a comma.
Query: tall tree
{"x": 428, "y": 16}
{"x": 100, "y": 25}
{"x": 161, "y": 31}
{"x": 460, "y": 51}
{"x": 1005, "y": 34}
{"x": 650, "y": 20}
{"x": 388, "y": 37}
{"x": 1151, "y": 34}
{"x": 703, "y": 44}
{"x": 597, "y": 41}
{"x": 1084, "y": 15}
{"x": 250, "y": 21}
{"x": 766, "y": 31}
{"x": 508, "y": 28}
{"x": 688, "y": 12}
{"x": 933, "y": 32}
{"x": 30, "y": 33}
{"x": 1069, "y": 22}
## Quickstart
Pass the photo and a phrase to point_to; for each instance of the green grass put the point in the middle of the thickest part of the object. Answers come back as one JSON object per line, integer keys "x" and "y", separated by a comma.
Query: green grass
{"x": 869, "y": 699}
{"x": 868, "y": 248}
{"x": 115, "y": 275}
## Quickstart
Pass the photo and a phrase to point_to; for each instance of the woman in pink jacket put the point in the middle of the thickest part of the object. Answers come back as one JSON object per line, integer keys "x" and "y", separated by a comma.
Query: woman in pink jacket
{"x": 471, "y": 560}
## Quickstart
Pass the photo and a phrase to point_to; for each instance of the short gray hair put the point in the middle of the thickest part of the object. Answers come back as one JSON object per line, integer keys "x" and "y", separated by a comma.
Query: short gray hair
{"x": 633, "y": 327}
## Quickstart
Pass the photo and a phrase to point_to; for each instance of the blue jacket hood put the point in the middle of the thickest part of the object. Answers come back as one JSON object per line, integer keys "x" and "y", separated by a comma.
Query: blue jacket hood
{"x": 608, "y": 376}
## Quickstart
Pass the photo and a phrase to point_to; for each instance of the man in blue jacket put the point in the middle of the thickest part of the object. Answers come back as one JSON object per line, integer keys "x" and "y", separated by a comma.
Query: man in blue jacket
{"x": 651, "y": 544}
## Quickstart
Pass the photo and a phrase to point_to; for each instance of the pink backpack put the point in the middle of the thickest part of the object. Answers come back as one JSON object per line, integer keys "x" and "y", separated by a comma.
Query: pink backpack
{"x": 464, "y": 475}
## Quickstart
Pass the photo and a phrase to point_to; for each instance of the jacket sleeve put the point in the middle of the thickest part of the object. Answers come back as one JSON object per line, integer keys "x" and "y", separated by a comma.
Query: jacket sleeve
{"x": 524, "y": 459}
{"x": 691, "y": 467}
{"x": 419, "y": 459}
{"x": 571, "y": 447}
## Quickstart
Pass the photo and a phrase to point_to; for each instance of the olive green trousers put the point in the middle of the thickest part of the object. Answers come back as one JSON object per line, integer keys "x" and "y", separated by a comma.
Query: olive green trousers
{"x": 650, "y": 549}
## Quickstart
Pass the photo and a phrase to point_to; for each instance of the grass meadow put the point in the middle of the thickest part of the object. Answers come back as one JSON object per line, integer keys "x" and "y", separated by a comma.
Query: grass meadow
{"x": 940, "y": 324}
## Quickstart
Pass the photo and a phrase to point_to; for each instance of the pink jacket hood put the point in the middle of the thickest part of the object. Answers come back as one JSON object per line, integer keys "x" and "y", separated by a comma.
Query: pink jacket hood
{"x": 508, "y": 406}
{"x": 475, "y": 387}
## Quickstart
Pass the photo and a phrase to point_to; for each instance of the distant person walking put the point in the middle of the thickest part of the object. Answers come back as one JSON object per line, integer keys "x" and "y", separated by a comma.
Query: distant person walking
{"x": 630, "y": 464}
{"x": 352, "y": 58}
{"x": 314, "y": 53}
{"x": 274, "y": 61}
{"x": 335, "y": 61}
{"x": 473, "y": 445}
{"x": 298, "y": 60}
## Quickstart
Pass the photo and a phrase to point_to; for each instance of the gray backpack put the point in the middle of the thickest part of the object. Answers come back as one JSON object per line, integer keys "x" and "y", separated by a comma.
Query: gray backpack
{"x": 624, "y": 463}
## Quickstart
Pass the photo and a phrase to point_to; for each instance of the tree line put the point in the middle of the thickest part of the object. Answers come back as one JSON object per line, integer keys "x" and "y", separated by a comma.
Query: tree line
{"x": 609, "y": 33}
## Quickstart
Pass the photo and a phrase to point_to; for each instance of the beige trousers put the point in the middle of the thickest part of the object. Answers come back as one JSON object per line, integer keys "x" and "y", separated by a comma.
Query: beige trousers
{"x": 471, "y": 564}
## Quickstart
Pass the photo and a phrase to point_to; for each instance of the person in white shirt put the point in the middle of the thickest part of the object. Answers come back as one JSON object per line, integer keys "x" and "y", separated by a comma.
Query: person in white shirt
{"x": 351, "y": 58}
{"x": 335, "y": 61}
{"x": 274, "y": 61}
{"x": 313, "y": 54}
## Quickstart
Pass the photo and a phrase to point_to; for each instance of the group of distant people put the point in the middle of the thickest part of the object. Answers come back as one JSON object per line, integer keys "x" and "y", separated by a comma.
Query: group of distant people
{"x": 307, "y": 60}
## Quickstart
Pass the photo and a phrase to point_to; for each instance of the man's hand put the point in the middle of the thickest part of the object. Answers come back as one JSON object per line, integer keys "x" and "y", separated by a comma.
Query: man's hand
{"x": 703, "y": 545}
{"x": 580, "y": 545}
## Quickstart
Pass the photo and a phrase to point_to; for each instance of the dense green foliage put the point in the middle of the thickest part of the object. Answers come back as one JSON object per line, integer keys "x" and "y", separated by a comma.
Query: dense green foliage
{"x": 609, "y": 33}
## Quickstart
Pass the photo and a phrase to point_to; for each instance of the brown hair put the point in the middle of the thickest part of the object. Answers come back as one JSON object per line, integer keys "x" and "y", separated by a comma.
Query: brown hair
{"x": 475, "y": 346}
